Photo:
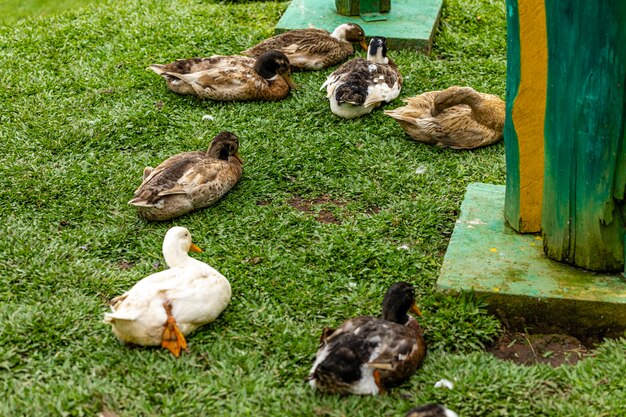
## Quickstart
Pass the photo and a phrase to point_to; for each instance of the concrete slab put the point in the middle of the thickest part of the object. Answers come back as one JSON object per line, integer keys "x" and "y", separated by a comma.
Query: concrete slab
{"x": 409, "y": 24}
{"x": 524, "y": 288}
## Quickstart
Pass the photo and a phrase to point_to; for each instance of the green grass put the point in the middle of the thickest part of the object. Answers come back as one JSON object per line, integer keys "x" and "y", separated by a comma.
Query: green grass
{"x": 13, "y": 10}
{"x": 79, "y": 119}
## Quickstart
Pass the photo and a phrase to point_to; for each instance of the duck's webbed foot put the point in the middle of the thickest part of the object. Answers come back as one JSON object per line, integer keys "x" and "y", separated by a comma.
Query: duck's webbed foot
{"x": 173, "y": 339}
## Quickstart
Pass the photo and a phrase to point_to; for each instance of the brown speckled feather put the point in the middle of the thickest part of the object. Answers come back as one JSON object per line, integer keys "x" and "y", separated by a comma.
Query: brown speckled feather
{"x": 458, "y": 117}
{"x": 310, "y": 49}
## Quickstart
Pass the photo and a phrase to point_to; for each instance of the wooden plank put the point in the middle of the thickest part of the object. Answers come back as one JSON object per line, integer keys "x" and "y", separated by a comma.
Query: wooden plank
{"x": 526, "y": 82}
{"x": 583, "y": 209}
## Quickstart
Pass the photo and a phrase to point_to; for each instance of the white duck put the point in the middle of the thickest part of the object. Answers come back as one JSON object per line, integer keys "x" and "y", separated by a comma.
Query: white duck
{"x": 164, "y": 307}
{"x": 361, "y": 85}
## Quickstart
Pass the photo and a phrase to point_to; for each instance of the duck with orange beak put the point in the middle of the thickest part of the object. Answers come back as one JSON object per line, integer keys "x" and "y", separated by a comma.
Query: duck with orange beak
{"x": 366, "y": 355}
{"x": 161, "y": 309}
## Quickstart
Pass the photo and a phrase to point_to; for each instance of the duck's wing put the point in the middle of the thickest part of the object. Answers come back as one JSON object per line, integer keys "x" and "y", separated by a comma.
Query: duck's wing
{"x": 396, "y": 343}
{"x": 165, "y": 177}
{"x": 227, "y": 83}
{"x": 188, "y": 66}
{"x": 300, "y": 41}
{"x": 201, "y": 298}
{"x": 214, "y": 176}
{"x": 343, "y": 74}
{"x": 384, "y": 83}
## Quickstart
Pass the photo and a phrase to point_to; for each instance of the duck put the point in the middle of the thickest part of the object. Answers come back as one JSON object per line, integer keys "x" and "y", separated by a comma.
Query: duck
{"x": 457, "y": 117}
{"x": 366, "y": 355}
{"x": 313, "y": 49}
{"x": 230, "y": 77}
{"x": 189, "y": 181}
{"x": 163, "y": 308}
{"x": 431, "y": 410}
{"x": 360, "y": 85}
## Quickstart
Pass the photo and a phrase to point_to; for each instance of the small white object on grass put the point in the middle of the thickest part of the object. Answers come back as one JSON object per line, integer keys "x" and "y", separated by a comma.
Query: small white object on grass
{"x": 208, "y": 117}
{"x": 444, "y": 383}
{"x": 403, "y": 247}
{"x": 421, "y": 169}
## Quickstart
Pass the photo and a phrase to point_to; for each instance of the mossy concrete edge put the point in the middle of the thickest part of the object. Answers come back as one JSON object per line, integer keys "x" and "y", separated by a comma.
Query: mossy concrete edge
{"x": 525, "y": 289}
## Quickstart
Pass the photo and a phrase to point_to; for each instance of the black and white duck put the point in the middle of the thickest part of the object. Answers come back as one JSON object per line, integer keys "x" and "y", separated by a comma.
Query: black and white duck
{"x": 361, "y": 85}
{"x": 366, "y": 355}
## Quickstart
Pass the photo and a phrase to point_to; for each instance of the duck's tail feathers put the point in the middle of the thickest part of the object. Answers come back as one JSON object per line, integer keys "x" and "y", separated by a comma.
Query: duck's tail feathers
{"x": 158, "y": 68}
{"x": 140, "y": 202}
{"x": 398, "y": 115}
{"x": 110, "y": 318}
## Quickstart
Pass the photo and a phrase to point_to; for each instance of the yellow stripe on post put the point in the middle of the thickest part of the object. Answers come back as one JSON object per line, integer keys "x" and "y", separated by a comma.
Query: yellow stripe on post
{"x": 529, "y": 111}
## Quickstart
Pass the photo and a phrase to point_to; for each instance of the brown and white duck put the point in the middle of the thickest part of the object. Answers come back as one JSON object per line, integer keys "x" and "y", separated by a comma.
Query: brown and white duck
{"x": 365, "y": 355}
{"x": 457, "y": 117}
{"x": 190, "y": 180}
{"x": 230, "y": 78}
{"x": 313, "y": 49}
{"x": 361, "y": 85}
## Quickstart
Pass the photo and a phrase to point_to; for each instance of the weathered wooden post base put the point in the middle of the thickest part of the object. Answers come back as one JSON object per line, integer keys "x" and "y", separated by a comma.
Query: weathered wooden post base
{"x": 409, "y": 24}
{"x": 524, "y": 288}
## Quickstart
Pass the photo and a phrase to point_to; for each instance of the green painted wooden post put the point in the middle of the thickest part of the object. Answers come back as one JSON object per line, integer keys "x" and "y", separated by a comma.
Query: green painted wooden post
{"x": 356, "y": 7}
{"x": 584, "y": 211}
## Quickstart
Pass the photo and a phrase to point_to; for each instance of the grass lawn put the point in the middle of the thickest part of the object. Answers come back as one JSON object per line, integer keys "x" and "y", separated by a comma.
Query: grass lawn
{"x": 13, "y": 10}
{"x": 79, "y": 119}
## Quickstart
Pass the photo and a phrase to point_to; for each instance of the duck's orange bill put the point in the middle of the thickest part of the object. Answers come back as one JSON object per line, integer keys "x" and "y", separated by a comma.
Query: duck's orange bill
{"x": 194, "y": 248}
{"x": 363, "y": 45}
{"x": 416, "y": 310}
{"x": 238, "y": 157}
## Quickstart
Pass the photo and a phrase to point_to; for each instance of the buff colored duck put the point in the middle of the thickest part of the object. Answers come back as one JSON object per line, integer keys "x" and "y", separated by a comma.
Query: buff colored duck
{"x": 457, "y": 117}
{"x": 230, "y": 78}
{"x": 313, "y": 49}
{"x": 361, "y": 85}
{"x": 189, "y": 181}
{"x": 164, "y": 307}
{"x": 365, "y": 355}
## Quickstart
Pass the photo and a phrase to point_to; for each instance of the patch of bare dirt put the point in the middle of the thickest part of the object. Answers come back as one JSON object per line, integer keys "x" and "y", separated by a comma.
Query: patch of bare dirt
{"x": 124, "y": 264}
{"x": 315, "y": 207}
{"x": 530, "y": 349}
{"x": 322, "y": 216}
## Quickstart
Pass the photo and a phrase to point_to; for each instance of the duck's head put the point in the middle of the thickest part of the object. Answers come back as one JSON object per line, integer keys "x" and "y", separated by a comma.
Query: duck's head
{"x": 350, "y": 32}
{"x": 225, "y": 145}
{"x": 176, "y": 244}
{"x": 377, "y": 51}
{"x": 398, "y": 301}
{"x": 274, "y": 62}
{"x": 431, "y": 410}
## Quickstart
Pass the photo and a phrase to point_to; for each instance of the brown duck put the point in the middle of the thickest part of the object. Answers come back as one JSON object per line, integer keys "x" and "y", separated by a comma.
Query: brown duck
{"x": 189, "y": 181}
{"x": 313, "y": 49}
{"x": 230, "y": 78}
{"x": 365, "y": 355}
{"x": 457, "y": 117}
